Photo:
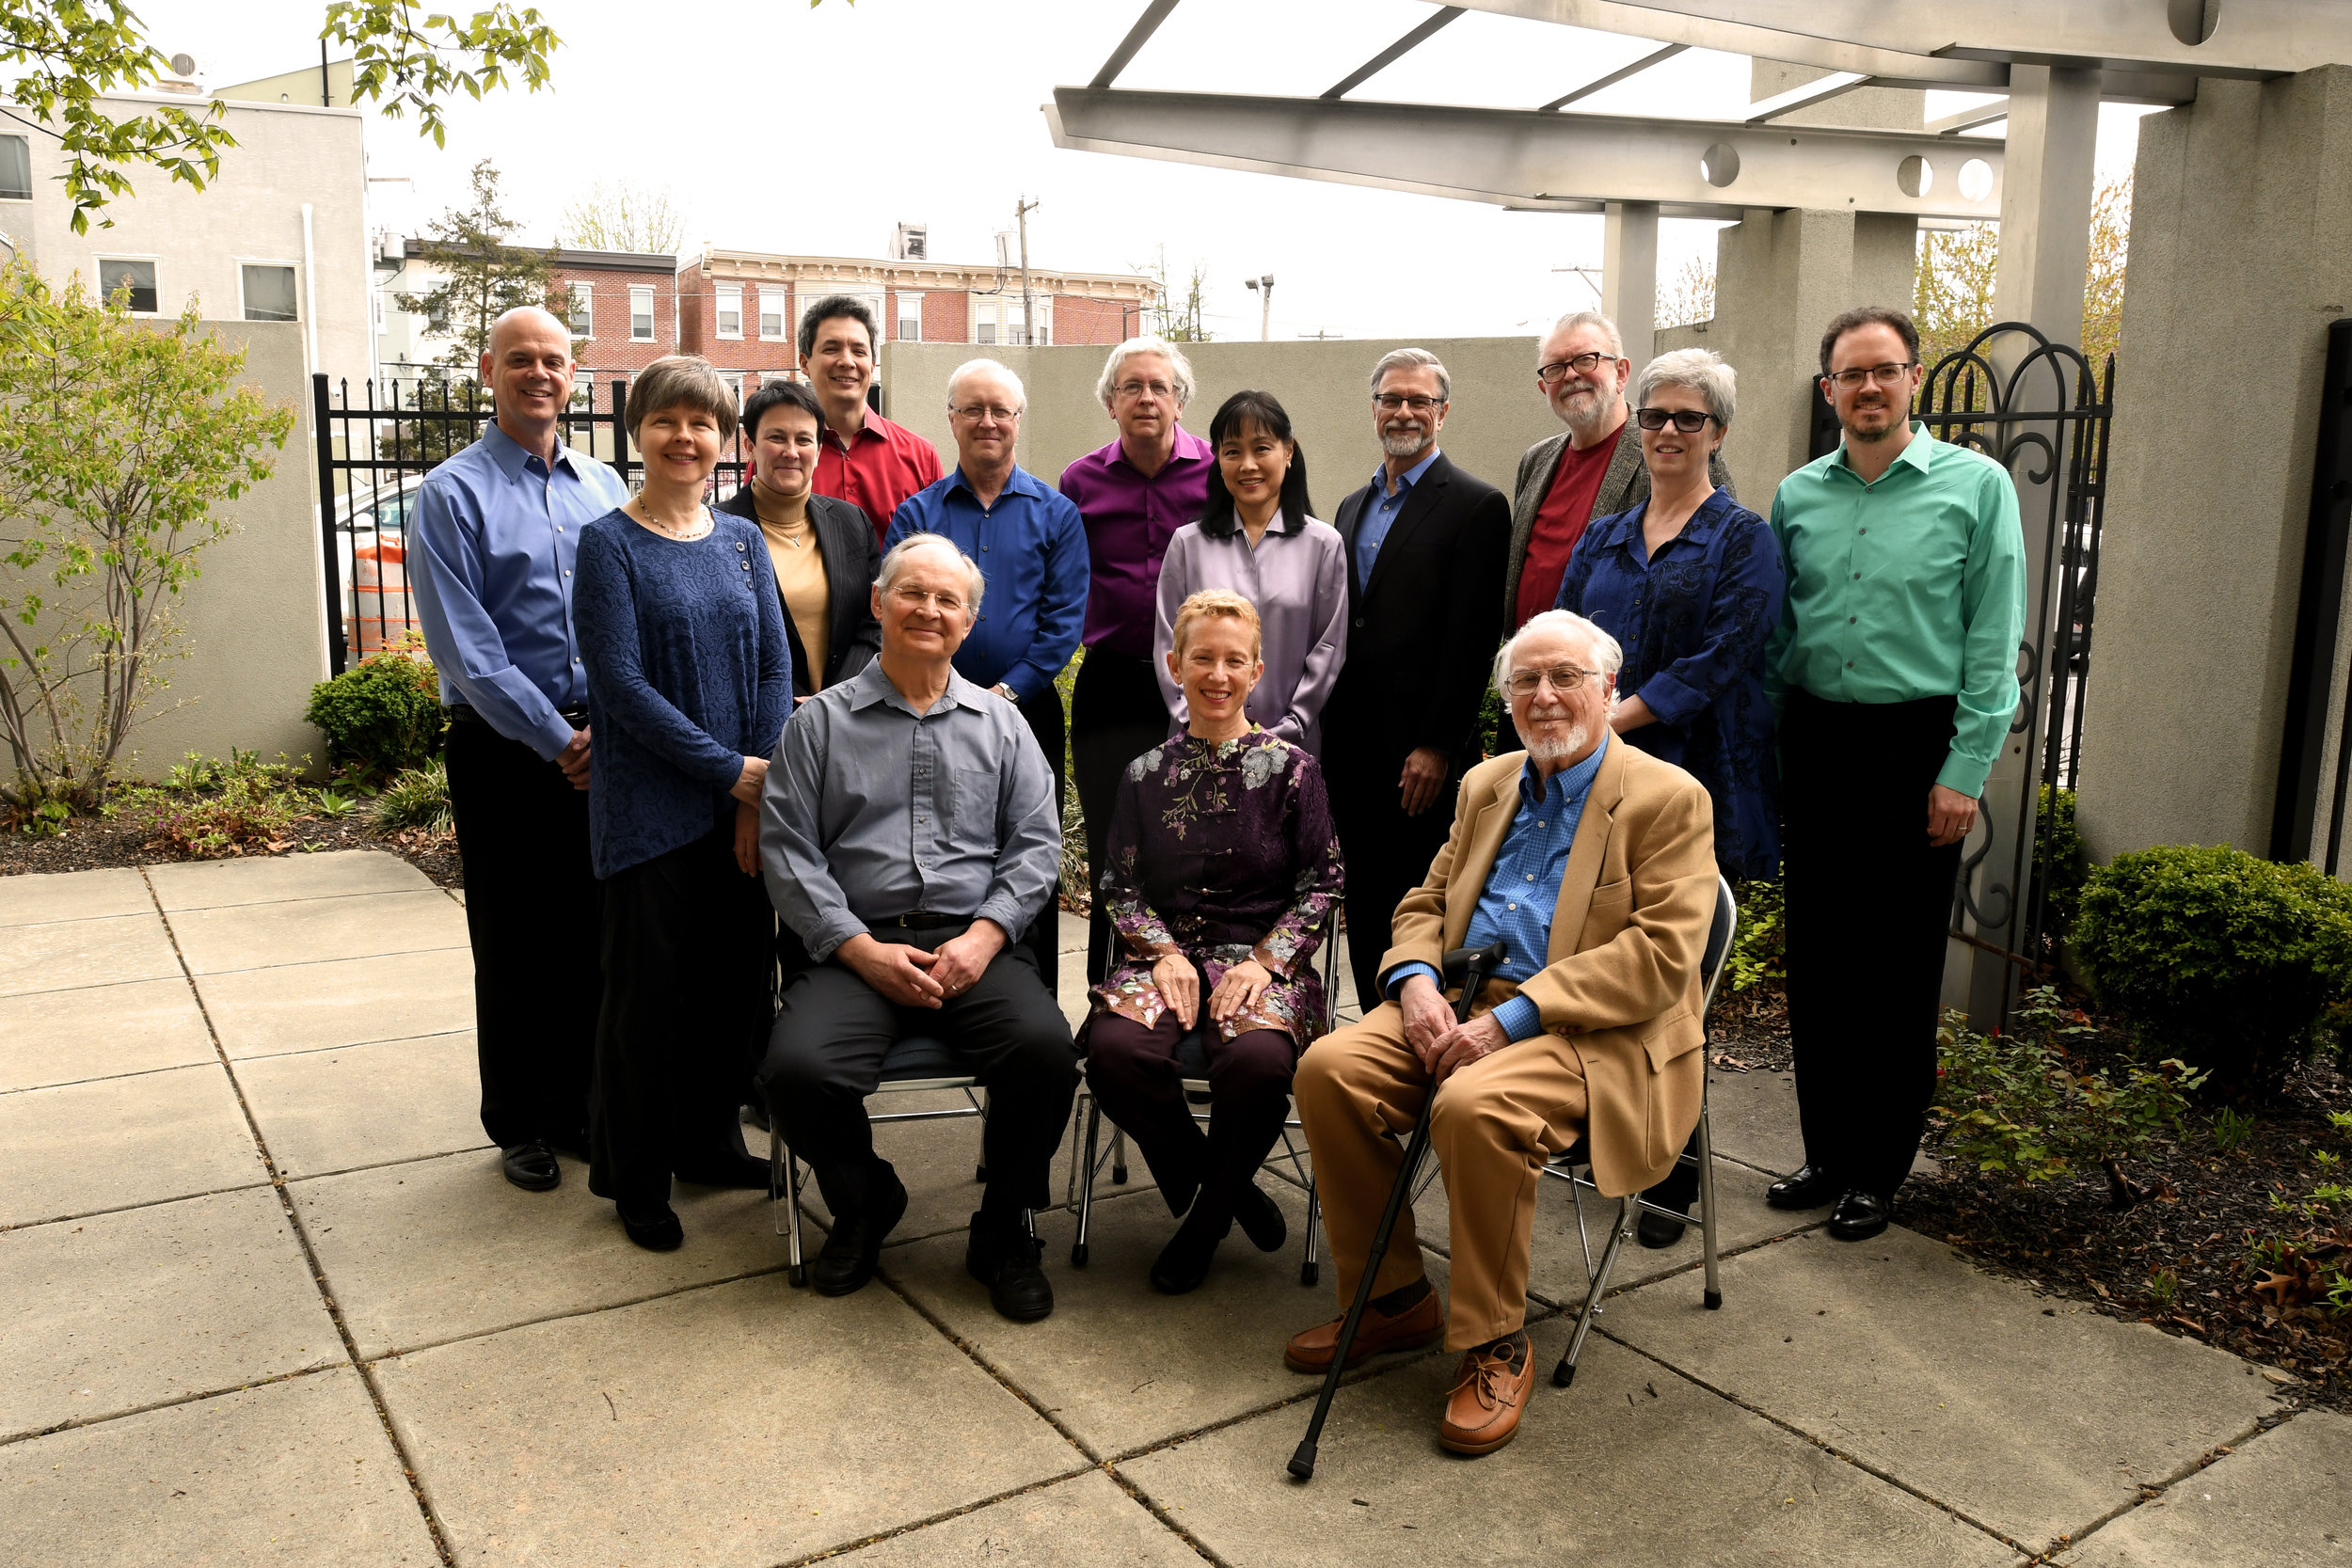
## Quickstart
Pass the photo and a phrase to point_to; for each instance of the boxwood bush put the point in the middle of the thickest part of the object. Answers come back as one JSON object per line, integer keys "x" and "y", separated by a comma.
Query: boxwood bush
{"x": 383, "y": 715}
{"x": 2225, "y": 961}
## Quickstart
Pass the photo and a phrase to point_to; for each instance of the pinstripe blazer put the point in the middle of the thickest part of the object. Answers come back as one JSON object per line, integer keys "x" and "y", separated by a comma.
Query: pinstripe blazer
{"x": 1625, "y": 487}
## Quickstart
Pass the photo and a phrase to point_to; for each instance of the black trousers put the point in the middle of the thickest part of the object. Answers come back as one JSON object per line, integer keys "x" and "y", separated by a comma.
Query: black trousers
{"x": 1388, "y": 853}
{"x": 1044, "y": 713}
{"x": 689, "y": 989}
{"x": 825, "y": 1056}
{"x": 531, "y": 917}
{"x": 1869, "y": 905}
{"x": 1133, "y": 1072}
{"x": 1116, "y": 715}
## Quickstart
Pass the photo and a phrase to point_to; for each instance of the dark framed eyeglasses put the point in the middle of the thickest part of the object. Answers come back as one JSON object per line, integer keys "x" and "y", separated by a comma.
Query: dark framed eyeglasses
{"x": 1885, "y": 374}
{"x": 1582, "y": 364}
{"x": 1688, "y": 420}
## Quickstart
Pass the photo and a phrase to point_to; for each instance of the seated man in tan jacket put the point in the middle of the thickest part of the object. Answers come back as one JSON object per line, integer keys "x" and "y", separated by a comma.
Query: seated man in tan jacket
{"x": 1594, "y": 863}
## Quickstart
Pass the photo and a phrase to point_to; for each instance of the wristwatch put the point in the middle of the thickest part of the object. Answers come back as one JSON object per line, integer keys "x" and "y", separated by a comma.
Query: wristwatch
{"x": 1006, "y": 692}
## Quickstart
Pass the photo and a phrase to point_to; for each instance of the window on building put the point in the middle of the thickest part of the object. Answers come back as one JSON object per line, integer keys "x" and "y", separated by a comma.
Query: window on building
{"x": 16, "y": 169}
{"x": 735, "y": 385}
{"x": 985, "y": 332}
{"x": 138, "y": 276}
{"x": 584, "y": 310}
{"x": 583, "y": 388}
{"x": 909, "y": 318}
{"x": 641, "y": 315}
{"x": 1016, "y": 321}
{"x": 771, "y": 313}
{"x": 730, "y": 298}
{"x": 269, "y": 292}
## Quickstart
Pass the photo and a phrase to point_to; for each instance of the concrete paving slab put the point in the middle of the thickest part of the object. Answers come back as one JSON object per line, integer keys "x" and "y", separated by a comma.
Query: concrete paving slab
{"x": 746, "y": 1424}
{"x": 1084, "y": 1523}
{"x": 317, "y": 931}
{"x": 1121, "y": 1364}
{"x": 122, "y": 1311}
{"x": 267, "y": 1013}
{"x": 1752, "y": 1116}
{"x": 422, "y": 1253}
{"x": 69, "y": 955}
{"x": 1631, "y": 1465}
{"x": 1898, "y": 1352}
{"x": 324, "y": 1111}
{"x": 289, "y": 1475}
{"x": 74, "y": 895}
{"x": 2283, "y": 1496}
{"x": 81, "y": 1147}
{"x": 275, "y": 879}
{"x": 64, "y": 1036}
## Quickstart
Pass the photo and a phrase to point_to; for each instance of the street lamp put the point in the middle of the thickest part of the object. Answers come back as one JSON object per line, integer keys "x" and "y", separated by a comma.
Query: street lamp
{"x": 1263, "y": 289}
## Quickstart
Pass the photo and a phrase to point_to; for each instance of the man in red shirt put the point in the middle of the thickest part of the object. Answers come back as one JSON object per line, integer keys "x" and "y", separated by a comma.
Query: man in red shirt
{"x": 1592, "y": 469}
{"x": 861, "y": 458}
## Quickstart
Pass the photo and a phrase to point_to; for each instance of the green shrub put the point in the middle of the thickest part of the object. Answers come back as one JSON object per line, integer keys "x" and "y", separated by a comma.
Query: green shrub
{"x": 2021, "y": 1107}
{"x": 1759, "y": 948}
{"x": 2226, "y": 961}
{"x": 416, "y": 798}
{"x": 206, "y": 810}
{"x": 382, "y": 715}
{"x": 2061, "y": 865}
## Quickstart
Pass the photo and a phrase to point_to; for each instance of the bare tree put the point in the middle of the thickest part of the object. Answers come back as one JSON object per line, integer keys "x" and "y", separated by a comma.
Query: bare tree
{"x": 1689, "y": 297}
{"x": 623, "y": 215}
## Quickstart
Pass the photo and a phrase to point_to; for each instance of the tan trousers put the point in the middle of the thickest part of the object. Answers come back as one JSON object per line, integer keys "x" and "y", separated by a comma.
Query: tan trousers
{"x": 1497, "y": 1121}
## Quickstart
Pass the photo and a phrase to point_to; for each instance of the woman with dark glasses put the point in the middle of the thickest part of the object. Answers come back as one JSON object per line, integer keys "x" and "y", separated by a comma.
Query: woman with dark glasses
{"x": 1690, "y": 583}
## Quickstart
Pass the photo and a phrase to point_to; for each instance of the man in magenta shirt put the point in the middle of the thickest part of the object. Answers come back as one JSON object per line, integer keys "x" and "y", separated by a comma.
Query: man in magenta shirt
{"x": 861, "y": 458}
{"x": 1133, "y": 493}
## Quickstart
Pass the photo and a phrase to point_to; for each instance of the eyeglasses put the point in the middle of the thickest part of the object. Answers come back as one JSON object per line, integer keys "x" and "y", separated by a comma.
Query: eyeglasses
{"x": 983, "y": 411}
{"x": 1887, "y": 374}
{"x": 1136, "y": 388}
{"x": 1582, "y": 364}
{"x": 1688, "y": 420}
{"x": 914, "y": 599}
{"x": 1564, "y": 678}
{"x": 1391, "y": 403}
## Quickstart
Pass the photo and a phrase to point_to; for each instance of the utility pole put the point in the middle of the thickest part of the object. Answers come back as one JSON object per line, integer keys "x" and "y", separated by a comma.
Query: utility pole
{"x": 1020, "y": 211}
{"x": 1263, "y": 289}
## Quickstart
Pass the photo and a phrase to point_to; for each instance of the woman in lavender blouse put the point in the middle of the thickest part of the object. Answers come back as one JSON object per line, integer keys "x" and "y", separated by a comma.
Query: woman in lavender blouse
{"x": 1222, "y": 874}
{"x": 1255, "y": 537}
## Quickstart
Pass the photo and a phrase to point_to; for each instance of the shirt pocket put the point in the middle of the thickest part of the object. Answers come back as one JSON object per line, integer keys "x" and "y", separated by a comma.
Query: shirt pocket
{"x": 972, "y": 814}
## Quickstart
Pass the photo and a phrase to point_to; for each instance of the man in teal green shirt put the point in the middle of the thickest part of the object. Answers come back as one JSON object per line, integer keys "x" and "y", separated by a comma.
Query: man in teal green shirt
{"x": 1895, "y": 672}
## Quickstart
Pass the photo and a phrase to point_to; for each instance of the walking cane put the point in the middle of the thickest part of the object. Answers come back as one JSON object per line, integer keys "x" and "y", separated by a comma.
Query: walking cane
{"x": 1475, "y": 965}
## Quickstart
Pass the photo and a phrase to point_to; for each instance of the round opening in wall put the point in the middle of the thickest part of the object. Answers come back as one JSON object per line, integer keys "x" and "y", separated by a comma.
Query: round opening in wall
{"x": 1976, "y": 180}
{"x": 1720, "y": 165}
{"x": 1914, "y": 176}
{"x": 2192, "y": 20}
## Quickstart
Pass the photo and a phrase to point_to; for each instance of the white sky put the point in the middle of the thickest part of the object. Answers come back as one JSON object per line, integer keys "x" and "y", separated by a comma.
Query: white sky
{"x": 779, "y": 127}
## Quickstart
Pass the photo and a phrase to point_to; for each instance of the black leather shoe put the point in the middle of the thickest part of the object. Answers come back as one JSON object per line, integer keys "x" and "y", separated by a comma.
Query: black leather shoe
{"x": 1184, "y": 1263}
{"x": 1810, "y": 1188}
{"x": 1859, "y": 1216}
{"x": 1260, "y": 1218}
{"x": 656, "y": 1230}
{"x": 531, "y": 1166}
{"x": 1657, "y": 1230}
{"x": 1003, "y": 1258}
{"x": 852, "y": 1253}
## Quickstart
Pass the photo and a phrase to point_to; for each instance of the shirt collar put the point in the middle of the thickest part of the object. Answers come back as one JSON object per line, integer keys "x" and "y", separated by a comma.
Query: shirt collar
{"x": 1573, "y": 782}
{"x": 1917, "y": 451}
{"x": 1406, "y": 480}
{"x": 873, "y": 428}
{"x": 1187, "y": 448}
{"x": 1021, "y": 482}
{"x": 1626, "y": 526}
{"x": 510, "y": 454}
{"x": 872, "y": 685}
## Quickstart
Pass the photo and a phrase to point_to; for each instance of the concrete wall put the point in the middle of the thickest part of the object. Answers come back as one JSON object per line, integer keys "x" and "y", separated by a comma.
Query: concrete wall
{"x": 252, "y": 624}
{"x": 2241, "y": 237}
{"x": 287, "y": 155}
{"x": 1497, "y": 410}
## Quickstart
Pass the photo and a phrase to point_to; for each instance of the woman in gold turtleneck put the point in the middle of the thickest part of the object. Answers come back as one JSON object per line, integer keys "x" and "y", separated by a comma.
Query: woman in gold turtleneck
{"x": 823, "y": 549}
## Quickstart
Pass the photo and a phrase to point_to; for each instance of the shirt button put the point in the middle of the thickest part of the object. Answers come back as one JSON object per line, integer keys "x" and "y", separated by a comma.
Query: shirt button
{"x": 1857, "y": 576}
{"x": 1510, "y": 906}
{"x": 1851, "y": 619}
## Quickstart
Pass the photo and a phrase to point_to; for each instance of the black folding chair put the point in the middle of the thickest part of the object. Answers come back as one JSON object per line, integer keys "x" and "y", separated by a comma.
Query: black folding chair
{"x": 1192, "y": 1064}
{"x": 1578, "y": 1158}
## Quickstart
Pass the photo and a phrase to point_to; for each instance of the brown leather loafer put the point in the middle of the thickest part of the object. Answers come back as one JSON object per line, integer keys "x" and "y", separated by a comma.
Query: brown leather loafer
{"x": 1422, "y": 1323}
{"x": 1489, "y": 1393}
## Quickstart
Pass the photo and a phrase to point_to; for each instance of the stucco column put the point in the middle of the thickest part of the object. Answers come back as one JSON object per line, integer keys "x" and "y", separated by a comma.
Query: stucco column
{"x": 1629, "y": 276}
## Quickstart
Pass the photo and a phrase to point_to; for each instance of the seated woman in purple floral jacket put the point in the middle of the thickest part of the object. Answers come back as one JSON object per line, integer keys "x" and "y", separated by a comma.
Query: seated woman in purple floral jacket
{"x": 1222, "y": 874}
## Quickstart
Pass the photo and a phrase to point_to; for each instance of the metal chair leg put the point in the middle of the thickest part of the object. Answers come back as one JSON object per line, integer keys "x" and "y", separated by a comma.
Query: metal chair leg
{"x": 1086, "y": 1186}
{"x": 1311, "y": 1269}
{"x": 1714, "y": 1292}
{"x": 797, "y": 1269}
{"x": 1576, "y": 1196}
{"x": 1565, "y": 1373}
{"x": 1118, "y": 1155}
{"x": 979, "y": 1172}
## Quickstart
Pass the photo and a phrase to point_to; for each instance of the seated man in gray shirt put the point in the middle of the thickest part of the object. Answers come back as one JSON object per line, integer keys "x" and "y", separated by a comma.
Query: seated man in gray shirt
{"x": 908, "y": 836}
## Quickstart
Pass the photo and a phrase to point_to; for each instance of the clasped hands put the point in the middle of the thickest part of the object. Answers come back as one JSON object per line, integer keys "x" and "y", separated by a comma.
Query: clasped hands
{"x": 1442, "y": 1044}
{"x": 1240, "y": 987}
{"x": 913, "y": 977}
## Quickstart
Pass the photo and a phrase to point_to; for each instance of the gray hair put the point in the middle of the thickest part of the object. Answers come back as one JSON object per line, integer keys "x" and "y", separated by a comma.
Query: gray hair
{"x": 1605, "y": 649}
{"x": 895, "y": 562}
{"x": 1400, "y": 359}
{"x": 1608, "y": 332}
{"x": 1701, "y": 370}
{"x": 1179, "y": 368}
{"x": 988, "y": 367}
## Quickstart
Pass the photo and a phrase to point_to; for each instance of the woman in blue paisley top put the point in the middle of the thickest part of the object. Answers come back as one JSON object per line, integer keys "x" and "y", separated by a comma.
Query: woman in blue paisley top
{"x": 1222, "y": 874}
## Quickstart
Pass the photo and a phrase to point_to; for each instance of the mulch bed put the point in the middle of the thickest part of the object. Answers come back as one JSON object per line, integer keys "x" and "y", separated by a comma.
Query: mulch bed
{"x": 93, "y": 843}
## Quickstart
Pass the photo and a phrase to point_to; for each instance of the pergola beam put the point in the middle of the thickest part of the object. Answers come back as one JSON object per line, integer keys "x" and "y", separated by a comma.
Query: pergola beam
{"x": 1820, "y": 90}
{"x": 1624, "y": 73}
{"x": 1137, "y": 35}
{"x": 1969, "y": 119}
{"x": 1392, "y": 54}
{"x": 1894, "y": 67}
{"x": 1530, "y": 160}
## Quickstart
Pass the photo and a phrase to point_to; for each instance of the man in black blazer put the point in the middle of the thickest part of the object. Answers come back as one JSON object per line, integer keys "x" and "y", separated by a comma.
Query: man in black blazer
{"x": 1426, "y": 543}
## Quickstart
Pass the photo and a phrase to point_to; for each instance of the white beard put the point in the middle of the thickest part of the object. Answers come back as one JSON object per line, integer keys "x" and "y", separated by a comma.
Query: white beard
{"x": 1552, "y": 751}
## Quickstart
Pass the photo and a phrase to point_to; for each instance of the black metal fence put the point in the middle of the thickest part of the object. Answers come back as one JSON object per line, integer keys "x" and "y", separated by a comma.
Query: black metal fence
{"x": 373, "y": 456}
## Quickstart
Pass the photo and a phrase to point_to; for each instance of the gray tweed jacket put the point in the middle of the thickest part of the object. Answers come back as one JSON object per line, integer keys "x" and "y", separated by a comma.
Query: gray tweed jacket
{"x": 1625, "y": 487}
